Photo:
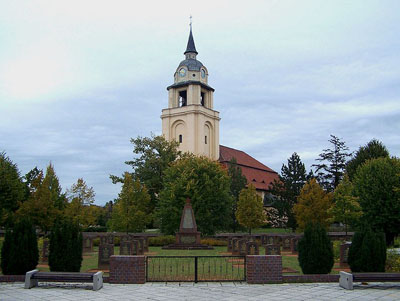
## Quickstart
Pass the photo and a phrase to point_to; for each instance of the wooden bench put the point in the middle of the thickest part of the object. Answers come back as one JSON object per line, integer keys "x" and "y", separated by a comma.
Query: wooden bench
{"x": 33, "y": 277}
{"x": 346, "y": 280}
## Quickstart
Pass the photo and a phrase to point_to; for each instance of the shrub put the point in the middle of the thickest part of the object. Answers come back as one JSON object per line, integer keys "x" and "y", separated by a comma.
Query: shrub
{"x": 367, "y": 252}
{"x": 214, "y": 242}
{"x": 392, "y": 261}
{"x": 19, "y": 253}
{"x": 161, "y": 240}
{"x": 65, "y": 250}
{"x": 315, "y": 251}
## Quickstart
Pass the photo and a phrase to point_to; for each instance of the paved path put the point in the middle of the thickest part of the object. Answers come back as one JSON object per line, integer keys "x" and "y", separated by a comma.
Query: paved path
{"x": 200, "y": 291}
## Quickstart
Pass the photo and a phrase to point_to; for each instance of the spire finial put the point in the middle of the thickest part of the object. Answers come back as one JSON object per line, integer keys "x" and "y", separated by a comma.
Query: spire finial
{"x": 190, "y": 45}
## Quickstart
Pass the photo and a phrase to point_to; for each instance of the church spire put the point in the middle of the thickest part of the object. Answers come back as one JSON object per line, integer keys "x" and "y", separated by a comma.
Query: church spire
{"x": 190, "y": 45}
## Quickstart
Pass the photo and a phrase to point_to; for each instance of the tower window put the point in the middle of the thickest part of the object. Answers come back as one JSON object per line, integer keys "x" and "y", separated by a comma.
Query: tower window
{"x": 180, "y": 139}
{"x": 202, "y": 98}
{"x": 182, "y": 99}
{"x": 205, "y": 139}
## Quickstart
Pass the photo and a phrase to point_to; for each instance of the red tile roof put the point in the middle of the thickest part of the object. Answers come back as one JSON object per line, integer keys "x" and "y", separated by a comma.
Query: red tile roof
{"x": 256, "y": 173}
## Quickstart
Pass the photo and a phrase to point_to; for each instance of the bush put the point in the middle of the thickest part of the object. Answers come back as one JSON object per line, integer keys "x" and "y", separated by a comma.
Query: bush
{"x": 65, "y": 250}
{"x": 19, "y": 253}
{"x": 161, "y": 240}
{"x": 367, "y": 252}
{"x": 214, "y": 242}
{"x": 315, "y": 251}
{"x": 392, "y": 261}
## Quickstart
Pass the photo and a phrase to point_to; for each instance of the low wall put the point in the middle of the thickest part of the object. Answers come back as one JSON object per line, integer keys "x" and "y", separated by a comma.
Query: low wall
{"x": 263, "y": 269}
{"x": 127, "y": 269}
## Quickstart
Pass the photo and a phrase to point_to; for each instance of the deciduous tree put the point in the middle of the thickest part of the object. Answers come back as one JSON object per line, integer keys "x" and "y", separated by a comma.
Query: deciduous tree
{"x": 345, "y": 208}
{"x": 375, "y": 185}
{"x": 238, "y": 182}
{"x": 131, "y": 209}
{"x": 250, "y": 213}
{"x": 207, "y": 185}
{"x": 153, "y": 156}
{"x": 312, "y": 206}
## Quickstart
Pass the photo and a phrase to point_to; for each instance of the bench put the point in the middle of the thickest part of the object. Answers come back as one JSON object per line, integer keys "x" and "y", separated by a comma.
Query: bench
{"x": 33, "y": 277}
{"x": 346, "y": 279}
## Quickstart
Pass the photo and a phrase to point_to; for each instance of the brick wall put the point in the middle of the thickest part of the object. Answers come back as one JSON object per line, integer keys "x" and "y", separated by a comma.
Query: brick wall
{"x": 127, "y": 269}
{"x": 263, "y": 269}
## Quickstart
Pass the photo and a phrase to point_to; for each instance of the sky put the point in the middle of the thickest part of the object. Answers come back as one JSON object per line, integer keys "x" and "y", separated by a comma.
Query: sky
{"x": 79, "y": 79}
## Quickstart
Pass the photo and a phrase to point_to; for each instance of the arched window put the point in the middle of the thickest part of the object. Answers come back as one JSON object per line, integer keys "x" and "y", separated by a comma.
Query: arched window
{"x": 182, "y": 99}
{"x": 180, "y": 139}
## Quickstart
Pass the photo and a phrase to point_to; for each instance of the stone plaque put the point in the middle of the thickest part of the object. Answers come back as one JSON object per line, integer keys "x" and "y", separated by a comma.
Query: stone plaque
{"x": 187, "y": 219}
{"x": 286, "y": 243}
{"x": 294, "y": 244}
{"x": 126, "y": 248}
{"x": 242, "y": 246}
{"x": 270, "y": 240}
{"x": 273, "y": 250}
{"x": 105, "y": 252}
{"x": 188, "y": 239}
{"x": 252, "y": 248}
{"x": 229, "y": 244}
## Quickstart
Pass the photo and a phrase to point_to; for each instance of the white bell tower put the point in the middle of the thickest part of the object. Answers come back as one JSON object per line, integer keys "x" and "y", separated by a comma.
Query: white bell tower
{"x": 190, "y": 118}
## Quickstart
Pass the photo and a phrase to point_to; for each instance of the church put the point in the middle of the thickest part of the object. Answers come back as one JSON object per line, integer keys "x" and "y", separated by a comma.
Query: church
{"x": 191, "y": 120}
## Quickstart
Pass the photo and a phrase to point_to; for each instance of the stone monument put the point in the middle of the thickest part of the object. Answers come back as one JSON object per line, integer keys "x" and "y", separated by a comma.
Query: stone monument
{"x": 188, "y": 238}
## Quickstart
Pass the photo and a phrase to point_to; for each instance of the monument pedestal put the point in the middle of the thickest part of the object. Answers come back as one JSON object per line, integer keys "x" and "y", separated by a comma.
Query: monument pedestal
{"x": 188, "y": 238}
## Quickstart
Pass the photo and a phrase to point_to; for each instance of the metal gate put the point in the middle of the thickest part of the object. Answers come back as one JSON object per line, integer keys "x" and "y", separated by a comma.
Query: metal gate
{"x": 195, "y": 268}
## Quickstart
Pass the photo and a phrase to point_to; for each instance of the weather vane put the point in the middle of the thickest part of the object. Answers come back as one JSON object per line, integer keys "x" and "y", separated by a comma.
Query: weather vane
{"x": 190, "y": 22}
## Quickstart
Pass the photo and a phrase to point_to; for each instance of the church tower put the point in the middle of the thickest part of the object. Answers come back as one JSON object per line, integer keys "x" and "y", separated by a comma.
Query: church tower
{"x": 190, "y": 118}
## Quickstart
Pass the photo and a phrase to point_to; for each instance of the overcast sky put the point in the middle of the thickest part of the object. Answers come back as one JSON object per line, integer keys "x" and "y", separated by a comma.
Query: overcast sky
{"x": 78, "y": 79}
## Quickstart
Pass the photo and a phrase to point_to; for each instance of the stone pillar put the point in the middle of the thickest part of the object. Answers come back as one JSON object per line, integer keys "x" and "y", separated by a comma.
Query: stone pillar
{"x": 263, "y": 269}
{"x": 294, "y": 243}
{"x": 87, "y": 243}
{"x": 105, "y": 251}
{"x": 127, "y": 269}
{"x": 344, "y": 253}
{"x": 286, "y": 243}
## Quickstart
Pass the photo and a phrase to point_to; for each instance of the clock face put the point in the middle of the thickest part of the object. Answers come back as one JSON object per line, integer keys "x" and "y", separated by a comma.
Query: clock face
{"x": 182, "y": 72}
{"x": 203, "y": 73}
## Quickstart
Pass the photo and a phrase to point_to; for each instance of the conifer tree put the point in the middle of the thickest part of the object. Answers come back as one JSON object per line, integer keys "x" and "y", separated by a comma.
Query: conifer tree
{"x": 12, "y": 191}
{"x": 287, "y": 189}
{"x": 315, "y": 250}
{"x": 373, "y": 150}
{"x": 333, "y": 163}
{"x": 54, "y": 187}
{"x": 65, "y": 250}
{"x": 19, "y": 253}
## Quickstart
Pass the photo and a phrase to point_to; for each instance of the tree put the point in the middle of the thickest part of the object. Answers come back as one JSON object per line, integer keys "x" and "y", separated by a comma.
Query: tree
{"x": 238, "y": 182}
{"x": 40, "y": 207}
{"x": 155, "y": 155}
{"x": 367, "y": 252}
{"x": 54, "y": 187}
{"x": 80, "y": 207}
{"x": 12, "y": 189}
{"x": 373, "y": 150}
{"x": 375, "y": 184}
{"x": 312, "y": 206}
{"x": 315, "y": 250}
{"x": 206, "y": 183}
{"x": 250, "y": 213}
{"x": 333, "y": 162}
{"x": 29, "y": 178}
{"x": 19, "y": 253}
{"x": 131, "y": 210}
{"x": 65, "y": 250}
{"x": 345, "y": 208}
{"x": 287, "y": 189}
